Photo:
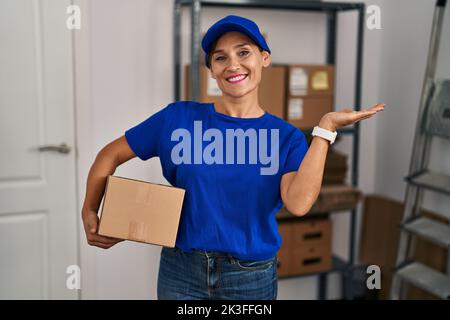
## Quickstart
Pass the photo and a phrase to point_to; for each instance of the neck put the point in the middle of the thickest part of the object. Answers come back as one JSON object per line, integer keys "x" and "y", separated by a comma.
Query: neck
{"x": 246, "y": 106}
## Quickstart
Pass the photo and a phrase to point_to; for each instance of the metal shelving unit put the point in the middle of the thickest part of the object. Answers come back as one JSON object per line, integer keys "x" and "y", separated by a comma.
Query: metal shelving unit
{"x": 331, "y": 10}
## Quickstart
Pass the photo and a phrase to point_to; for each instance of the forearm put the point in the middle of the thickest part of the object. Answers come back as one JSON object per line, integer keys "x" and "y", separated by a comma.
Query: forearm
{"x": 103, "y": 166}
{"x": 305, "y": 186}
{"x": 302, "y": 189}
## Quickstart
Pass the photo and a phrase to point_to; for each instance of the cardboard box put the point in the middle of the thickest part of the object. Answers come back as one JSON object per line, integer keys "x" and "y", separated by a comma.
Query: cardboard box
{"x": 284, "y": 262}
{"x": 335, "y": 171}
{"x": 336, "y": 198}
{"x": 284, "y": 254}
{"x": 331, "y": 198}
{"x": 312, "y": 232}
{"x": 310, "y": 94}
{"x": 306, "y": 247}
{"x": 305, "y": 112}
{"x": 310, "y": 80}
{"x": 271, "y": 91}
{"x": 141, "y": 211}
{"x": 334, "y": 177}
{"x": 311, "y": 259}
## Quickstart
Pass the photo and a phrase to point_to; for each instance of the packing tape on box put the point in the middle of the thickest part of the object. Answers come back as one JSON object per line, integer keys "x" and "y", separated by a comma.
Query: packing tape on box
{"x": 137, "y": 231}
{"x": 143, "y": 195}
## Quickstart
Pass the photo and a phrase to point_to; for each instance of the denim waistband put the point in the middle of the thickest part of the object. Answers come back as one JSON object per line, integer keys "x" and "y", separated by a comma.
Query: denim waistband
{"x": 211, "y": 253}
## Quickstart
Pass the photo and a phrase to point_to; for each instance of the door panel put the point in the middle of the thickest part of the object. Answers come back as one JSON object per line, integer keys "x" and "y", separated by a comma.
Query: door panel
{"x": 38, "y": 213}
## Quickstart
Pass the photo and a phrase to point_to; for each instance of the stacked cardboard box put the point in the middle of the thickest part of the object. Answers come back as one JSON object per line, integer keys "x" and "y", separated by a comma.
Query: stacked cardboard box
{"x": 331, "y": 198}
{"x": 300, "y": 93}
{"x": 336, "y": 167}
{"x": 309, "y": 94}
{"x": 337, "y": 197}
{"x": 306, "y": 247}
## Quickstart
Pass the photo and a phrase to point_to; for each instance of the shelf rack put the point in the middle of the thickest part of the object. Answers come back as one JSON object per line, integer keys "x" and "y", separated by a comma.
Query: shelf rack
{"x": 331, "y": 9}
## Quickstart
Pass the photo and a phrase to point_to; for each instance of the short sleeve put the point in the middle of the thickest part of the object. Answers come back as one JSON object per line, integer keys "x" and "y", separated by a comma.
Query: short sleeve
{"x": 144, "y": 138}
{"x": 298, "y": 147}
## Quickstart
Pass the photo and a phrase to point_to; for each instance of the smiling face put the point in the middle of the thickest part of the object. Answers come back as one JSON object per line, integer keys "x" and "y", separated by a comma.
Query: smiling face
{"x": 236, "y": 64}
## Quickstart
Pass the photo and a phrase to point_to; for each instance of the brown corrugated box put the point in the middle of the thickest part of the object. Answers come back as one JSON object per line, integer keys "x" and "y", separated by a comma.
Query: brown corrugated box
{"x": 331, "y": 198}
{"x": 310, "y": 80}
{"x": 141, "y": 211}
{"x": 306, "y": 112}
{"x": 271, "y": 90}
{"x": 285, "y": 253}
{"x": 337, "y": 197}
{"x": 312, "y": 232}
{"x": 309, "y": 94}
{"x": 311, "y": 259}
{"x": 306, "y": 247}
{"x": 336, "y": 167}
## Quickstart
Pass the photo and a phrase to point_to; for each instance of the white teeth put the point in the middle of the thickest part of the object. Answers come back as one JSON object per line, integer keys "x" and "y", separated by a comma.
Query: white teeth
{"x": 237, "y": 78}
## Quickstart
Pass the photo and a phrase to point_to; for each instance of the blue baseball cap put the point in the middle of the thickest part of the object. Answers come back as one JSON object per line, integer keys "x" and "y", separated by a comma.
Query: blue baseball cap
{"x": 232, "y": 23}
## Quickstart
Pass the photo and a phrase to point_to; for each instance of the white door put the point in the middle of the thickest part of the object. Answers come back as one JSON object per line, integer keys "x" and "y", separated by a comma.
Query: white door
{"x": 38, "y": 214}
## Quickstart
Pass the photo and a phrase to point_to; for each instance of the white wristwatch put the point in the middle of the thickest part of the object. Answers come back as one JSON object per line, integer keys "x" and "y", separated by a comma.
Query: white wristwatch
{"x": 323, "y": 133}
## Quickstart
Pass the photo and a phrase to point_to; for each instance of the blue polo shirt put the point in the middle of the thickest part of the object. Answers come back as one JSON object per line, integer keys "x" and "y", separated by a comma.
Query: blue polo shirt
{"x": 231, "y": 169}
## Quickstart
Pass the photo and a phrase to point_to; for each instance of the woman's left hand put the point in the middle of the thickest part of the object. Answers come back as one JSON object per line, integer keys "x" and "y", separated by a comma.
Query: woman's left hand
{"x": 338, "y": 119}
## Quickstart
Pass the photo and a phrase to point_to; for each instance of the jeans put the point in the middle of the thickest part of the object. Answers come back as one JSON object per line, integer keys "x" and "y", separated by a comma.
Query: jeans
{"x": 201, "y": 275}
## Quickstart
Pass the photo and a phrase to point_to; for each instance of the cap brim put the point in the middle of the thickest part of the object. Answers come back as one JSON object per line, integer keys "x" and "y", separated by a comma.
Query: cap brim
{"x": 215, "y": 33}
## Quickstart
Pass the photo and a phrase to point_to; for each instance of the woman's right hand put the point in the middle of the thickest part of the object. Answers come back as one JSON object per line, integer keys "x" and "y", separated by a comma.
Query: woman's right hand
{"x": 90, "y": 222}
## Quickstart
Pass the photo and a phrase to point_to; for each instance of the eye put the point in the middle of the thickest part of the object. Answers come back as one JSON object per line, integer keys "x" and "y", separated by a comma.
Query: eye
{"x": 219, "y": 58}
{"x": 244, "y": 53}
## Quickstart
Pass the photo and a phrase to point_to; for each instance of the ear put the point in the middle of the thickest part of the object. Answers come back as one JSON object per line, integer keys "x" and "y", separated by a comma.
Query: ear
{"x": 211, "y": 73}
{"x": 266, "y": 58}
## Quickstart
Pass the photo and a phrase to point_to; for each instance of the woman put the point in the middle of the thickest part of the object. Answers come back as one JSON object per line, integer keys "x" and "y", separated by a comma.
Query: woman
{"x": 238, "y": 164}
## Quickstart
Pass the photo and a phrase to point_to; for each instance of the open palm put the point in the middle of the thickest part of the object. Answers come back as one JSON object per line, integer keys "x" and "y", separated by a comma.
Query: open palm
{"x": 338, "y": 119}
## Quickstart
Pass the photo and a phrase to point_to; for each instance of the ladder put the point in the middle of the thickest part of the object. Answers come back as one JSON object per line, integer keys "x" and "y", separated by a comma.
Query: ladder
{"x": 433, "y": 120}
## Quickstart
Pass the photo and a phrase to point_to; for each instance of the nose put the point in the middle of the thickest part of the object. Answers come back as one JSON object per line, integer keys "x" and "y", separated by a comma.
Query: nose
{"x": 233, "y": 64}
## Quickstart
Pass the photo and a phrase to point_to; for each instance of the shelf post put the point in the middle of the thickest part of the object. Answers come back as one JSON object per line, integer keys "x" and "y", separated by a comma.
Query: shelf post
{"x": 355, "y": 158}
{"x": 331, "y": 37}
{"x": 331, "y": 59}
{"x": 195, "y": 50}
{"x": 176, "y": 49}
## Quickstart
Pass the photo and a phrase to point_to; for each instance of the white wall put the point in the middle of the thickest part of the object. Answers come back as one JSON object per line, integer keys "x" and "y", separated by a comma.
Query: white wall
{"x": 407, "y": 27}
{"x": 128, "y": 62}
{"x": 124, "y": 50}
